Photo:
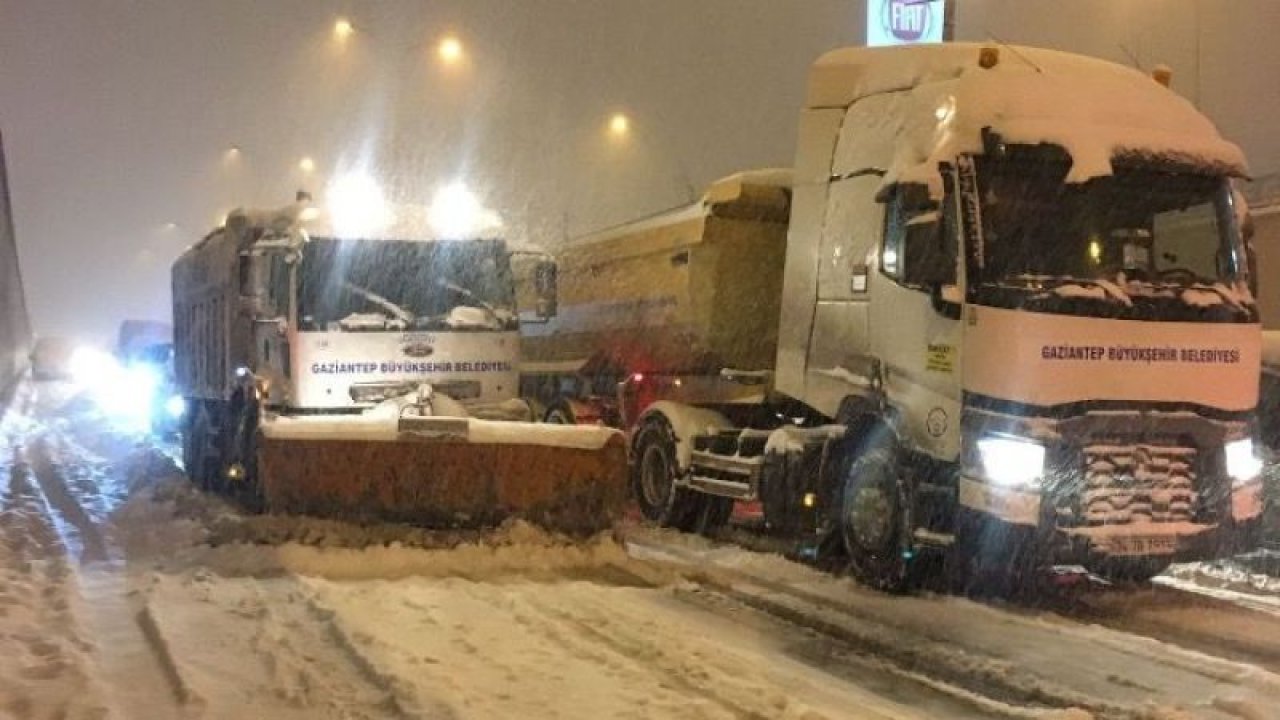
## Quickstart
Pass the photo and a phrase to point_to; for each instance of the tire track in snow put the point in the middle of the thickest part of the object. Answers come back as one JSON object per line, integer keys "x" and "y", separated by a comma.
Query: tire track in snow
{"x": 585, "y": 633}
{"x": 742, "y": 665}
{"x": 259, "y": 647}
{"x": 44, "y": 669}
{"x": 60, "y": 499}
{"x": 1191, "y": 620}
{"x": 1004, "y": 656}
{"x": 129, "y": 660}
{"x": 402, "y": 701}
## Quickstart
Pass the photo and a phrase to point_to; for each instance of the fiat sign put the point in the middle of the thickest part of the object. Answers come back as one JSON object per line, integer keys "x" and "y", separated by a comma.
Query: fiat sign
{"x": 905, "y": 22}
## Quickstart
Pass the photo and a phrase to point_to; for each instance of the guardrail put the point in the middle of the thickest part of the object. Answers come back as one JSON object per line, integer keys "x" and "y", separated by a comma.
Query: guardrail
{"x": 15, "y": 326}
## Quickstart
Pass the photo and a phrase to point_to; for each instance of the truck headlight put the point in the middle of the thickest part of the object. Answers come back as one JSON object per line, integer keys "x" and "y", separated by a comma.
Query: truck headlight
{"x": 1243, "y": 463}
{"x": 175, "y": 406}
{"x": 1010, "y": 461}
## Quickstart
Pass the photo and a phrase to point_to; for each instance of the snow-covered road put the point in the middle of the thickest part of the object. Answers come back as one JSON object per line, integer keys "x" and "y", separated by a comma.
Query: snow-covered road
{"x": 126, "y": 593}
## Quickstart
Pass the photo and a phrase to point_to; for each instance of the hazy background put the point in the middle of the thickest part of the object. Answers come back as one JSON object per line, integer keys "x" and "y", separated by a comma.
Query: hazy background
{"x": 119, "y": 115}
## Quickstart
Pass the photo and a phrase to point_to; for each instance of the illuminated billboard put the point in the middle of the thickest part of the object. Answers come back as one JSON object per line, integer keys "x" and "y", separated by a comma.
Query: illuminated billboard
{"x": 905, "y": 22}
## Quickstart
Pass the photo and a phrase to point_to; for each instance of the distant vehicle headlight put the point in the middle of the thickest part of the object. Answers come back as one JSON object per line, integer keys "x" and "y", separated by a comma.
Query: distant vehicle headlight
{"x": 176, "y": 406}
{"x": 1011, "y": 461}
{"x": 1243, "y": 463}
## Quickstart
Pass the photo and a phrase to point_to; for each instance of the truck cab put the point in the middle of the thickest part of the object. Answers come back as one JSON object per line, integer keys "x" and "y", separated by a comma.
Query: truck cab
{"x": 1040, "y": 298}
{"x": 1015, "y": 324}
{"x": 289, "y": 314}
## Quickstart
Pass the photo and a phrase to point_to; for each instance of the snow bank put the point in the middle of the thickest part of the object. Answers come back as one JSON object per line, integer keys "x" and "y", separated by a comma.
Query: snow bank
{"x": 1243, "y": 574}
{"x": 517, "y": 550}
{"x": 1093, "y": 109}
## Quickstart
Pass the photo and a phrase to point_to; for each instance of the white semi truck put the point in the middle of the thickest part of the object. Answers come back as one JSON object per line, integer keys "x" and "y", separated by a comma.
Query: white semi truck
{"x": 1015, "y": 324}
{"x": 371, "y": 373}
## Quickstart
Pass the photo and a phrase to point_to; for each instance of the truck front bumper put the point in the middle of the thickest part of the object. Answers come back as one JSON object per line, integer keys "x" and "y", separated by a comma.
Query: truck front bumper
{"x": 1017, "y": 514}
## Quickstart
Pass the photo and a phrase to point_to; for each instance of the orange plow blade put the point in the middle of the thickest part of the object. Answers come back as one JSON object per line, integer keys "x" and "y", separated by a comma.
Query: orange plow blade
{"x": 565, "y": 478}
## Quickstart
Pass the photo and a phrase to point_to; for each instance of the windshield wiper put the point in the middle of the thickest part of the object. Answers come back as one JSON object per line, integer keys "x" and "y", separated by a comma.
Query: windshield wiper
{"x": 470, "y": 295}
{"x": 396, "y": 311}
{"x": 1111, "y": 289}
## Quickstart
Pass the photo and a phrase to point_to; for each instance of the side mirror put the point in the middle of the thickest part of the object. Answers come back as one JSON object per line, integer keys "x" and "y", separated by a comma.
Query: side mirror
{"x": 252, "y": 280}
{"x": 546, "y": 288}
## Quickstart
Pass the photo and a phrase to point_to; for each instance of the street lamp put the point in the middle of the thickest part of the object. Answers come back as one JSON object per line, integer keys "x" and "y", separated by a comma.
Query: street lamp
{"x": 342, "y": 29}
{"x": 450, "y": 50}
{"x": 622, "y": 130}
{"x": 619, "y": 125}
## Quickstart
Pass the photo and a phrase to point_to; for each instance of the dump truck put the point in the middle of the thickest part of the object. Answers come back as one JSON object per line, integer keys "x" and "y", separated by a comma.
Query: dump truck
{"x": 1006, "y": 318}
{"x": 370, "y": 374}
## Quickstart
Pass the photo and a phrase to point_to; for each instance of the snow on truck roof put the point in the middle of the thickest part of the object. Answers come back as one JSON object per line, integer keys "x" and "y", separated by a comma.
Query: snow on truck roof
{"x": 744, "y": 186}
{"x": 1092, "y": 108}
{"x": 408, "y": 223}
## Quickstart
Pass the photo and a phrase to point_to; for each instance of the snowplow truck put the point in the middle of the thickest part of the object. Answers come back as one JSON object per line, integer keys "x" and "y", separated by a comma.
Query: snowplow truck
{"x": 1014, "y": 325}
{"x": 348, "y": 375}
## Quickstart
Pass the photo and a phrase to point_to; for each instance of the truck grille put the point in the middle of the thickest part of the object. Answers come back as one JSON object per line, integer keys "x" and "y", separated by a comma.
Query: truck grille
{"x": 1138, "y": 484}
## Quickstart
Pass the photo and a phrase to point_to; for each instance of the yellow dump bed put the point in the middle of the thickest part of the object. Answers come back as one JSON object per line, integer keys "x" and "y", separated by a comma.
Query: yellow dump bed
{"x": 691, "y": 290}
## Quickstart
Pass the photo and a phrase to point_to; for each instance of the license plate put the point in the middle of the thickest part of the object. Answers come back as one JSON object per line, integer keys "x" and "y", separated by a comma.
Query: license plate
{"x": 1138, "y": 544}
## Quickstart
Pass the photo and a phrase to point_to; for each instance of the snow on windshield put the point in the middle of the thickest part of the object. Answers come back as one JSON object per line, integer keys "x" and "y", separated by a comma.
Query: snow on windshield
{"x": 1141, "y": 223}
{"x": 1093, "y": 109}
{"x": 382, "y": 284}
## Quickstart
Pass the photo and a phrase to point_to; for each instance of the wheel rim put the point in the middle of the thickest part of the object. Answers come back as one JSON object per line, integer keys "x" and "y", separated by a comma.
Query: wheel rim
{"x": 870, "y": 516}
{"x": 655, "y": 476}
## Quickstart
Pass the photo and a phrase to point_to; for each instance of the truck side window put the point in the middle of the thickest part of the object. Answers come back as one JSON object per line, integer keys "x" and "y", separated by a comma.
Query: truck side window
{"x": 906, "y": 204}
{"x": 916, "y": 234}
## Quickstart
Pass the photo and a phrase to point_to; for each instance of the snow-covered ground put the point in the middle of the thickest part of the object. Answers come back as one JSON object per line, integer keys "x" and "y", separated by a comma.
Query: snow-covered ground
{"x": 127, "y": 593}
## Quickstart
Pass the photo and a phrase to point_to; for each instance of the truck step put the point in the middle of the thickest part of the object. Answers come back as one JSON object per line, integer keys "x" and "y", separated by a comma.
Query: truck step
{"x": 932, "y": 538}
{"x": 722, "y": 487}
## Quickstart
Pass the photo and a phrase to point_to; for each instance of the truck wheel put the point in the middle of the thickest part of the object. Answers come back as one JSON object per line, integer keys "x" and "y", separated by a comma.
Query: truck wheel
{"x": 560, "y": 414}
{"x": 188, "y": 442}
{"x": 653, "y": 477}
{"x": 712, "y": 514}
{"x": 873, "y": 522}
{"x": 204, "y": 463}
{"x": 241, "y": 454}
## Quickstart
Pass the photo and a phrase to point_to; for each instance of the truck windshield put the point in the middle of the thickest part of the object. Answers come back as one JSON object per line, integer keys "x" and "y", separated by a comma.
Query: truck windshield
{"x": 367, "y": 285}
{"x": 1142, "y": 233}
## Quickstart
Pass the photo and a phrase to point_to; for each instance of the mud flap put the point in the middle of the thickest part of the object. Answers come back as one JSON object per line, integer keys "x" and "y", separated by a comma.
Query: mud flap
{"x": 449, "y": 480}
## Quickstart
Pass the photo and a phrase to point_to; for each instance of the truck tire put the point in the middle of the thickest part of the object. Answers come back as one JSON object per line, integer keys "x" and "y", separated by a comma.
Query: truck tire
{"x": 241, "y": 450}
{"x": 188, "y": 441}
{"x": 711, "y": 514}
{"x": 873, "y": 519}
{"x": 653, "y": 477}
{"x": 204, "y": 468}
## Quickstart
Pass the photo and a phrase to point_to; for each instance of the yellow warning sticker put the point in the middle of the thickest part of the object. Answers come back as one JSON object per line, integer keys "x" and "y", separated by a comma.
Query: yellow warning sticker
{"x": 940, "y": 358}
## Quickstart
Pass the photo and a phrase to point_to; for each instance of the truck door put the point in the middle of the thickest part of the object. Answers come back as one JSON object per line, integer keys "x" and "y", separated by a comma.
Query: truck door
{"x": 273, "y": 324}
{"x": 915, "y": 318}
